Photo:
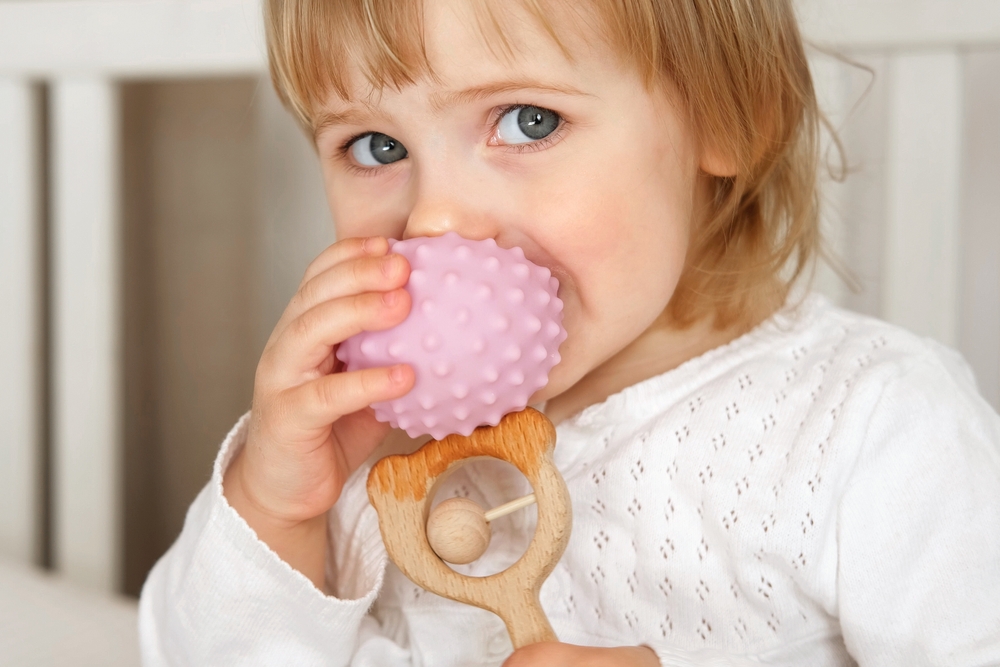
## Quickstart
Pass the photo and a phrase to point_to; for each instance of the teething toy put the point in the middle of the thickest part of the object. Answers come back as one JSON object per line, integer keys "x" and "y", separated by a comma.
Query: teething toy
{"x": 482, "y": 336}
{"x": 401, "y": 489}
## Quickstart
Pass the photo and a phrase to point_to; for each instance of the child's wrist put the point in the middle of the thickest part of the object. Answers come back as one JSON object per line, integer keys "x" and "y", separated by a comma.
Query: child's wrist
{"x": 300, "y": 543}
{"x": 247, "y": 503}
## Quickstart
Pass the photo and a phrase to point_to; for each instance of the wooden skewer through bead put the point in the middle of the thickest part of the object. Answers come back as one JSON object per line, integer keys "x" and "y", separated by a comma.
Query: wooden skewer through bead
{"x": 458, "y": 529}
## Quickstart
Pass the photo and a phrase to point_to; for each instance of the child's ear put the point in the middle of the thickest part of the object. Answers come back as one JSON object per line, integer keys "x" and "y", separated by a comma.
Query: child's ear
{"x": 716, "y": 162}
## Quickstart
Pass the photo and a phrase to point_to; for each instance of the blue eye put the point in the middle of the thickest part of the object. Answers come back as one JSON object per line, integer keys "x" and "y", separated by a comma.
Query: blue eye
{"x": 376, "y": 149}
{"x": 522, "y": 125}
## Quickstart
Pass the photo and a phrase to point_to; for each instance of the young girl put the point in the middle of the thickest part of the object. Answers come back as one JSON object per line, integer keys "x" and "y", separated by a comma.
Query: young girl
{"x": 756, "y": 478}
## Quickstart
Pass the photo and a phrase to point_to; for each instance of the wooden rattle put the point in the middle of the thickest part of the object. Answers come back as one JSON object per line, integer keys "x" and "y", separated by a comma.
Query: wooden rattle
{"x": 401, "y": 489}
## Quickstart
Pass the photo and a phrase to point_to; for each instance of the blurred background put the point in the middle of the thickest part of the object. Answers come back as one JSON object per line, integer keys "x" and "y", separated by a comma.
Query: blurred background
{"x": 158, "y": 208}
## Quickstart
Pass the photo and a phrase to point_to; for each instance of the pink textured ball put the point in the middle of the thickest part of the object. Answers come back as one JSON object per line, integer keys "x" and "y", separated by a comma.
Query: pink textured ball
{"x": 482, "y": 336}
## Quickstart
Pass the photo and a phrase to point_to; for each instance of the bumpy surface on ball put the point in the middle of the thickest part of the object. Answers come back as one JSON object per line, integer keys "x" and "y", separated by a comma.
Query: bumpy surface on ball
{"x": 482, "y": 336}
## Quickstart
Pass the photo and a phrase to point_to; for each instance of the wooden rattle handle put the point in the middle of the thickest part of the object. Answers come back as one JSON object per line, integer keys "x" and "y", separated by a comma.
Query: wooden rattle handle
{"x": 401, "y": 489}
{"x": 527, "y": 623}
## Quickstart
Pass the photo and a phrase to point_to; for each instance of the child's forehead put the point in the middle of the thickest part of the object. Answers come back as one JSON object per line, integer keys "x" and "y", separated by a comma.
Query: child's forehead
{"x": 473, "y": 44}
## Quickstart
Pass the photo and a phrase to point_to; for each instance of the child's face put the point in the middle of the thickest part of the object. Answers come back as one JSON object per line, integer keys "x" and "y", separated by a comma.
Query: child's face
{"x": 602, "y": 191}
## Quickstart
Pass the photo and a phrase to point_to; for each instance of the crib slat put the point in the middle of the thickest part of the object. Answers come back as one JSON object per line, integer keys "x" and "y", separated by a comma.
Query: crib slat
{"x": 20, "y": 298}
{"x": 921, "y": 263}
{"x": 833, "y": 94}
{"x": 979, "y": 323}
{"x": 86, "y": 333}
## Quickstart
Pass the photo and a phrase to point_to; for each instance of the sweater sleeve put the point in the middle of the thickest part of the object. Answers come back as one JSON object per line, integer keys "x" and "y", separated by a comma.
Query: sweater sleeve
{"x": 220, "y": 596}
{"x": 919, "y": 525}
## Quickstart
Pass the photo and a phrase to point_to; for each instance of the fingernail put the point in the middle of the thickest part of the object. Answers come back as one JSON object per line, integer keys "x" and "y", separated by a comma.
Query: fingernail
{"x": 390, "y": 298}
{"x": 368, "y": 245}
{"x": 396, "y": 374}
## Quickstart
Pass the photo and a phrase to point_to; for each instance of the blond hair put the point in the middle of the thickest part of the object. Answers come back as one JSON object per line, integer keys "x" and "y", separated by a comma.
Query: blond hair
{"x": 741, "y": 71}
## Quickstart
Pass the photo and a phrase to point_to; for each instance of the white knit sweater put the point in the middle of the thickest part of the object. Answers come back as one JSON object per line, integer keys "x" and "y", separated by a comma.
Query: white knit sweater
{"x": 821, "y": 491}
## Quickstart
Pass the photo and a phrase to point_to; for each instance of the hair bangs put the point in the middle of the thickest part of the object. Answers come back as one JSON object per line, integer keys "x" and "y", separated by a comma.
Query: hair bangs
{"x": 311, "y": 42}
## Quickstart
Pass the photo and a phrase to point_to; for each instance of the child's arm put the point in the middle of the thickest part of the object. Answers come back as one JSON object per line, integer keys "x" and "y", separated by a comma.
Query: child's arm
{"x": 220, "y": 596}
{"x": 919, "y": 526}
{"x": 245, "y": 582}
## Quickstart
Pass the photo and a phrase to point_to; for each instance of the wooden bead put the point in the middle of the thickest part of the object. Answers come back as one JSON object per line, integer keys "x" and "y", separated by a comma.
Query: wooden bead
{"x": 457, "y": 531}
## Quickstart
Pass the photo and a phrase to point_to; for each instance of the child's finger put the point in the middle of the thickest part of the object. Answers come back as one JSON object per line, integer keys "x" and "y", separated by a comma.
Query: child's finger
{"x": 322, "y": 401}
{"x": 354, "y": 276}
{"x": 308, "y": 339}
{"x": 341, "y": 251}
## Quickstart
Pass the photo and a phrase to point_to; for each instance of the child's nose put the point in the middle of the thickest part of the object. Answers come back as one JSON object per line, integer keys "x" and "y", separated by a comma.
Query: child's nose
{"x": 435, "y": 215}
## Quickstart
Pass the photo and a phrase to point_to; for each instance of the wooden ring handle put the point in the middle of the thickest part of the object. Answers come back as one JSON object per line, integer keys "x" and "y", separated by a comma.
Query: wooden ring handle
{"x": 401, "y": 489}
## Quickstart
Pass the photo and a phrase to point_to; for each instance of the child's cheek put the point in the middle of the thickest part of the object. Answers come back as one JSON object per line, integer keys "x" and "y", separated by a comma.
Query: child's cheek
{"x": 368, "y": 205}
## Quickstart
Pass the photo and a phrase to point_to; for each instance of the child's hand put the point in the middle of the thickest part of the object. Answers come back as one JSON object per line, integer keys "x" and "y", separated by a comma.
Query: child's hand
{"x": 310, "y": 425}
{"x": 554, "y": 654}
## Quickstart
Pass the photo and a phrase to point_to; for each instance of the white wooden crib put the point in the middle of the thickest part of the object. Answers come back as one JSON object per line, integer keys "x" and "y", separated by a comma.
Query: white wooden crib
{"x": 933, "y": 258}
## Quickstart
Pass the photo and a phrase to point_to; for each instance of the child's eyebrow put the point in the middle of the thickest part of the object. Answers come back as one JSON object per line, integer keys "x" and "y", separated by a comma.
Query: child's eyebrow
{"x": 441, "y": 100}
{"x": 350, "y": 116}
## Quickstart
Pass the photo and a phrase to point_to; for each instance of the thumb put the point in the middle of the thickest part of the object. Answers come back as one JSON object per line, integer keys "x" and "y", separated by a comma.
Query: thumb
{"x": 543, "y": 654}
